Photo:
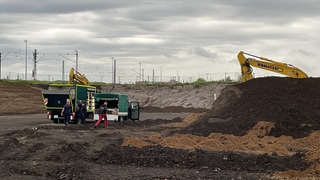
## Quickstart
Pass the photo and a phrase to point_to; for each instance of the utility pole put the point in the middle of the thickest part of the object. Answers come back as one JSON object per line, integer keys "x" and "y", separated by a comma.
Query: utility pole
{"x": 34, "y": 72}
{"x": 178, "y": 77}
{"x": 62, "y": 70}
{"x": 76, "y": 60}
{"x": 140, "y": 72}
{"x": 152, "y": 76}
{"x": 35, "y": 60}
{"x": 114, "y": 71}
{"x": 25, "y": 72}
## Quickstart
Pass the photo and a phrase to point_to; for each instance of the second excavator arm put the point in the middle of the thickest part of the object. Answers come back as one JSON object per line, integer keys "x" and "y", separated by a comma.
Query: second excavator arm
{"x": 266, "y": 64}
{"x": 75, "y": 75}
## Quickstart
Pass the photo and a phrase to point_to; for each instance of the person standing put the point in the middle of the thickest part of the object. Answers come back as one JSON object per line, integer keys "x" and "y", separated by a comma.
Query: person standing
{"x": 77, "y": 114}
{"x": 66, "y": 112}
{"x": 83, "y": 112}
{"x": 103, "y": 115}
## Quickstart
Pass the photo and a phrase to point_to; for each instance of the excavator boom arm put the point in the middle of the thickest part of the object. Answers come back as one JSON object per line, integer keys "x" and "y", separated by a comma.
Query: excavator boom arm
{"x": 75, "y": 75}
{"x": 267, "y": 64}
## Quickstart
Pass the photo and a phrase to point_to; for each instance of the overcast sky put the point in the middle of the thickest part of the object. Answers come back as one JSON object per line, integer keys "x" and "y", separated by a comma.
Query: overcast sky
{"x": 166, "y": 38}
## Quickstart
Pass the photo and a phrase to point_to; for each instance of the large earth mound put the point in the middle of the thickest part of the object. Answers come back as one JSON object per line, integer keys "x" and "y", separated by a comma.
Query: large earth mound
{"x": 291, "y": 104}
{"x": 171, "y": 98}
{"x": 20, "y": 99}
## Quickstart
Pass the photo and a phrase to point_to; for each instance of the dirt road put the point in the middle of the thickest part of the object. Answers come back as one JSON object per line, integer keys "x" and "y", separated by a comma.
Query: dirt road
{"x": 14, "y": 122}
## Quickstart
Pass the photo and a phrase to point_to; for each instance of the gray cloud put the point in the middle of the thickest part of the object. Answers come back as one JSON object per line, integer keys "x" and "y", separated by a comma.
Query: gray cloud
{"x": 168, "y": 35}
{"x": 201, "y": 52}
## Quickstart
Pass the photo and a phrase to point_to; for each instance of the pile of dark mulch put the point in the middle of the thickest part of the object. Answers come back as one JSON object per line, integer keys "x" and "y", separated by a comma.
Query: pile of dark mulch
{"x": 158, "y": 156}
{"x": 292, "y": 104}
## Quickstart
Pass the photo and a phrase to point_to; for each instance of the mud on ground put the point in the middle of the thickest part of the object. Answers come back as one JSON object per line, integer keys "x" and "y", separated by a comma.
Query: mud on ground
{"x": 128, "y": 150}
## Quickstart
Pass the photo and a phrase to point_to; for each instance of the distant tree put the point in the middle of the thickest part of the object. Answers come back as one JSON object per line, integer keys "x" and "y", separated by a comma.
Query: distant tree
{"x": 226, "y": 79}
{"x": 200, "y": 81}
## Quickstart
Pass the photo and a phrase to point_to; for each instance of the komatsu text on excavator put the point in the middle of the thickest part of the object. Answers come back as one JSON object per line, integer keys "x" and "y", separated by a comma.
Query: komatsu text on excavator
{"x": 266, "y": 64}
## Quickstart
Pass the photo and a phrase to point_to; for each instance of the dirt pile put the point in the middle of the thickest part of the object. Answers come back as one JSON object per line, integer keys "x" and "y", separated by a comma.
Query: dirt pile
{"x": 276, "y": 117}
{"x": 20, "y": 99}
{"x": 291, "y": 104}
{"x": 181, "y": 97}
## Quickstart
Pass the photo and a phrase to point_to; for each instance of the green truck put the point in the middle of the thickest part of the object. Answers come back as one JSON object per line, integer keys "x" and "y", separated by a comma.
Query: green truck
{"x": 56, "y": 95}
{"x": 119, "y": 107}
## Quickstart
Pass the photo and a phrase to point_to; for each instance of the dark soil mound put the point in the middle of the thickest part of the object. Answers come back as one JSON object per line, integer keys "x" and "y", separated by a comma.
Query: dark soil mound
{"x": 158, "y": 156}
{"x": 172, "y": 109}
{"x": 292, "y": 104}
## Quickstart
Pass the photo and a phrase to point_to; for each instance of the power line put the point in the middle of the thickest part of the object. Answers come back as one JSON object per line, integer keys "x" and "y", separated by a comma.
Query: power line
{"x": 75, "y": 61}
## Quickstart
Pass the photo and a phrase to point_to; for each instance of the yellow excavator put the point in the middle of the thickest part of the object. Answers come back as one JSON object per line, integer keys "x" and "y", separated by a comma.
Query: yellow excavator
{"x": 266, "y": 64}
{"x": 75, "y": 75}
